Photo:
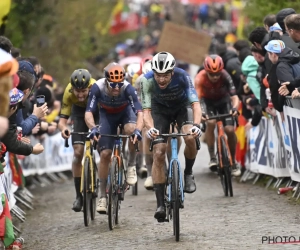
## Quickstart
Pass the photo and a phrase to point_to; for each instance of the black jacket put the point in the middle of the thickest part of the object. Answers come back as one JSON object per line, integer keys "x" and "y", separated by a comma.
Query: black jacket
{"x": 232, "y": 66}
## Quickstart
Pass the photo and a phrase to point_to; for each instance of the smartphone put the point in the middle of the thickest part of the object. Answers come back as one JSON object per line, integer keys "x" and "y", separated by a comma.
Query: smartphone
{"x": 40, "y": 100}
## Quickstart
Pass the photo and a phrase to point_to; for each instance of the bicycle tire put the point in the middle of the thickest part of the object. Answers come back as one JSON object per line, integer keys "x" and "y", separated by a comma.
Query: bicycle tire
{"x": 113, "y": 194}
{"x": 226, "y": 168}
{"x": 175, "y": 200}
{"x": 93, "y": 200}
{"x": 86, "y": 193}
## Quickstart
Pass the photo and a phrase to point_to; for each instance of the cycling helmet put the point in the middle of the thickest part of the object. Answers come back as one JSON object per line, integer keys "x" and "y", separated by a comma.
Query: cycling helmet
{"x": 144, "y": 60}
{"x": 146, "y": 67}
{"x": 213, "y": 64}
{"x": 80, "y": 78}
{"x": 16, "y": 96}
{"x": 163, "y": 62}
{"x": 132, "y": 69}
{"x": 114, "y": 72}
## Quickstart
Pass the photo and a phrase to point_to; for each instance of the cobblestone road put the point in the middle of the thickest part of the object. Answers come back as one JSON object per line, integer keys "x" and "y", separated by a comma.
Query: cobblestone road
{"x": 208, "y": 221}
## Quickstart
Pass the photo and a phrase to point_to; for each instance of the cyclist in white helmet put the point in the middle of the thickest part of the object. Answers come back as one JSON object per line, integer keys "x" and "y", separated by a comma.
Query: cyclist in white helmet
{"x": 167, "y": 94}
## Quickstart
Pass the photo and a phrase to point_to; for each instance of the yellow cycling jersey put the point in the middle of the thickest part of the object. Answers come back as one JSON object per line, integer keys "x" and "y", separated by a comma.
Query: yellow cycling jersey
{"x": 69, "y": 99}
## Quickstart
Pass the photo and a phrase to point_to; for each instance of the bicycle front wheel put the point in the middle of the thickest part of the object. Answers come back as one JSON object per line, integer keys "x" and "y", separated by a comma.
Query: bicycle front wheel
{"x": 175, "y": 199}
{"x": 94, "y": 195}
{"x": 87, "y": 196}
{"x": 113, "y": 194}
{"x": 225, "y": 174}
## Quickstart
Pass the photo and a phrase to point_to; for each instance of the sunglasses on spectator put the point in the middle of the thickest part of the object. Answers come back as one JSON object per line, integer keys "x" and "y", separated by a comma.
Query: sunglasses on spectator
{"x": 215, "y": 74}
{"x": 115, "y": 84}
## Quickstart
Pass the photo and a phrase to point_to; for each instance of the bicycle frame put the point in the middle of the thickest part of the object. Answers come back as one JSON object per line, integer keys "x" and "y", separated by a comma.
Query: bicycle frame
{"x": 221, "y": 133}
{"x": 174, "y": 157}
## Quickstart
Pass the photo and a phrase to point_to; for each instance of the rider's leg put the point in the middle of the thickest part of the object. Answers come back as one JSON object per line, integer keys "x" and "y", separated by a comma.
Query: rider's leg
{"x": 232, "y": 141}
{"x": 185, "y": 119}
{"x": 76, "y": 169}
{"x": 131, "y": 177}
{"x": 78, "y": 142}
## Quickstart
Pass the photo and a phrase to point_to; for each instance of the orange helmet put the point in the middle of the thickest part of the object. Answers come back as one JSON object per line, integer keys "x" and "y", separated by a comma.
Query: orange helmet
{"x": 213, "y": 64}
{"x": 114, "y": 72}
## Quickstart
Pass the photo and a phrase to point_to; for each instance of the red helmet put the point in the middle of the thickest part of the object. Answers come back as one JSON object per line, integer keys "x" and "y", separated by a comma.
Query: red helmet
{"x": 213, "y": 64}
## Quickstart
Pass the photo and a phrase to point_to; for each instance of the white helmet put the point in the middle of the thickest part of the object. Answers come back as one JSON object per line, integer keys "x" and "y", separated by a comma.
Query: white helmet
{"x": 163, "y": 62}
{"x": 133, "y": 68}
{"x": 146, "y": 67}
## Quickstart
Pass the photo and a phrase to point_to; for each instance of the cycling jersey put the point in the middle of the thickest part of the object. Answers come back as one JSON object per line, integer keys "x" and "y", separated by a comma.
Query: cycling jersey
{"x": 215, "y": 91}
{"x": 69, "y": 99}
{"x": 112, "y": 104}
{"x": 180, "y": 90}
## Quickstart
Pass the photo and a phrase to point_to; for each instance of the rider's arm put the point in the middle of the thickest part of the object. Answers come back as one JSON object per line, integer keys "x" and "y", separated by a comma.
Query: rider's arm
{"x": 65, "y": 110}
{"x": 136, "y": 105}
{"x": 146, "y": 102}
{"x": 91, "y": 106}
{"x": 193, "y": 99}
{"x": 231, "y": 90}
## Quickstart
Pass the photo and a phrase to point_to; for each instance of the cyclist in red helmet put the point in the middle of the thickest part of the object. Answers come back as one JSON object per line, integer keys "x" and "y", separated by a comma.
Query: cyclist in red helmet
{"x": 217, "y": 93}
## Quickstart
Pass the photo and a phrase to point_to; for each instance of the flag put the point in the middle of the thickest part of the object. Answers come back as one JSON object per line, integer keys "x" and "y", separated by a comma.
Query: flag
{"x": 241, "y": 147}
{"x": 16, "y": 169}
{"x": 6, "y": 226}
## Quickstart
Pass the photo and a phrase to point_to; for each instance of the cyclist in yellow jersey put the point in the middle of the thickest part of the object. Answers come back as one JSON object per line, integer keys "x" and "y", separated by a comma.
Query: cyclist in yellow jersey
{"x": 74, "y": 104}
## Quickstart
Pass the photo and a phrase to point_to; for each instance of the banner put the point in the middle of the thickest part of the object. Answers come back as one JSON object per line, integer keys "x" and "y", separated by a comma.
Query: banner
{"x": 55, "y": 158}
{"x": 291, "y": 127}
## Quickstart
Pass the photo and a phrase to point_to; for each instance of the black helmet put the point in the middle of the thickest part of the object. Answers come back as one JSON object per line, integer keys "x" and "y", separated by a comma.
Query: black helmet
{"x": 80, "y": 78}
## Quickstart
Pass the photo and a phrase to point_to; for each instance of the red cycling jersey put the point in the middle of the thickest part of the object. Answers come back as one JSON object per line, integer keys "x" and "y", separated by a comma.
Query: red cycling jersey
{"x": 214, "y": 91}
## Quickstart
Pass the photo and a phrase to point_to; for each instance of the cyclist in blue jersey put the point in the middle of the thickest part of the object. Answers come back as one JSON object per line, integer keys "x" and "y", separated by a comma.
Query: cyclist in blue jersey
{"x": 167, "y": 94}
{"x": 118, "y": 104}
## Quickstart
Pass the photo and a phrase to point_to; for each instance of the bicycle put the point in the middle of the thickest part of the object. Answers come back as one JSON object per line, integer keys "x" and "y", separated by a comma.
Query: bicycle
{"x": 225, "y": 161}
{"x": 89, "y": 185}
{"x": 116, "y": 184}
{"x": 174, "y": 194}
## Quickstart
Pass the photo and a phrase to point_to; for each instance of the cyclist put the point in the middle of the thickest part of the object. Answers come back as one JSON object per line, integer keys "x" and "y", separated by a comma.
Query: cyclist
{"x": 140, "y": 72}
{"x": 118, "y": 105}
{"x": 217, "y": 93}
{"x": 73, "y": 104}
{"x": 167, "y": 93}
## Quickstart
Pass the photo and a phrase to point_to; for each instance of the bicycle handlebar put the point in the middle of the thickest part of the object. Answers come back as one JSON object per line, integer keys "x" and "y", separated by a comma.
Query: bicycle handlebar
{"x": 198, "y": 144}
{"x": 136, "y": 145}
{"x": 79, "y": 133}
{"x": 218, "y": 117}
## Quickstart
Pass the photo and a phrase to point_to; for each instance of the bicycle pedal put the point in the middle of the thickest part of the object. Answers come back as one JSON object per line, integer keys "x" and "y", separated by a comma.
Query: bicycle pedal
{"x": 166, "y": 220}
{"x": 120, "y": 196}
{"x": 161, "y": 220}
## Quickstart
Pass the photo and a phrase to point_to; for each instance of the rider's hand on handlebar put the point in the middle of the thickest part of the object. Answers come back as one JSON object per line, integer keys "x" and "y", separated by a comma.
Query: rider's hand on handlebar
{"x": 136, "y": 136}
{"x": 196, "y": 131}
{"x": 204, "y": 117}
{"x": 234, "y": 112}
{"x": 95, "y": 134}
{"x": 152, "y": 133}
{"x": 65, "y": 133}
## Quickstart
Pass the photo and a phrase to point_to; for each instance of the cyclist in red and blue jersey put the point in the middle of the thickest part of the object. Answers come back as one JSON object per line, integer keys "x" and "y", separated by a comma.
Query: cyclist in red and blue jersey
{"x": 118, "y": 104}
{"x": 167, "y": 94}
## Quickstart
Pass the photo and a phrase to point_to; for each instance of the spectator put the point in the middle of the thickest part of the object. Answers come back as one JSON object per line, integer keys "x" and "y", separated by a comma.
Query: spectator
{"x": 292, "y": 26}
{"x": 286, "y": 68}
{"x": 15, "y": 52}
{"x": 269, "y": 21}
{"x": 288, "y": 41}
{"x": 5, "y": 44}
{"x": 276, "y": 28}
{"x": 240, "y": 44}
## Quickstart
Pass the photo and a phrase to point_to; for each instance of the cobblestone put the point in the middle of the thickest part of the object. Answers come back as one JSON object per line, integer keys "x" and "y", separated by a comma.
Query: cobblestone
{"x": 208, "y": 221}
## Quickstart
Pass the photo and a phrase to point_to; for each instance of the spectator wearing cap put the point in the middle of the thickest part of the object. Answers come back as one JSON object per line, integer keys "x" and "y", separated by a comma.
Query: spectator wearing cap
{"x": 269, "y": 21}
{"x": 285, "y": 68}
{"x": 288, "y": 41}
{"x": 8, "y": 68}
{"x": 276, "y": 28}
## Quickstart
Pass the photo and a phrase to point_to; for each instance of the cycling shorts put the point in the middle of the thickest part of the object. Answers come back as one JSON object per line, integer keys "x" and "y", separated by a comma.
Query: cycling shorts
{"x": 109, "y": 125}
{"x": 222, "y": 107}
{"x": 163, "y": 116}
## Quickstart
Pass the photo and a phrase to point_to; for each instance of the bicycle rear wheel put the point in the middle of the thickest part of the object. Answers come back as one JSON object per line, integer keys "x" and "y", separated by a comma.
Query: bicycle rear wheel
{"x": 113, "y": 194}
{"x": 225, "y": 174}
{"x": 93, "y": 200}
{"x": 175, "y": 200}
{"x": 86, "y": 192}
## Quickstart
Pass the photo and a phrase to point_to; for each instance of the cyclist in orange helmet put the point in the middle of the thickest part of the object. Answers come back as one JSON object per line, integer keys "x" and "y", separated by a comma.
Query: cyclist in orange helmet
{"x": 118, "y": 104}
{"x": 217, "y": 93}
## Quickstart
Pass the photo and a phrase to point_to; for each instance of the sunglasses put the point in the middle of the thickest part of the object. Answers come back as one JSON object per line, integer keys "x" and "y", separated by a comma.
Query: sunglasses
{"x": 215, "y": 74}
{"x": 115, "y": 84}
